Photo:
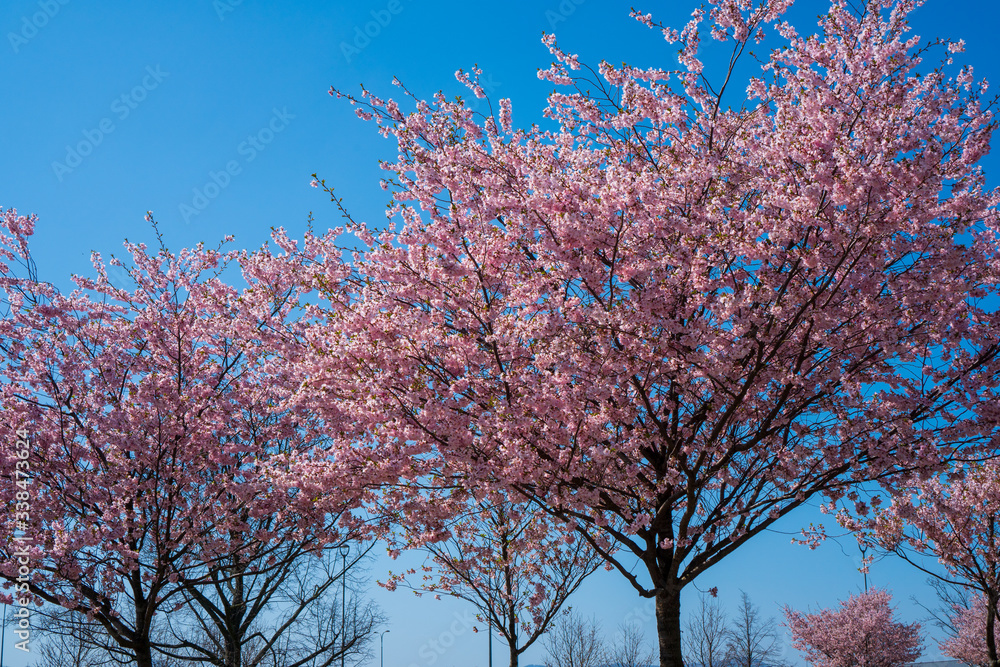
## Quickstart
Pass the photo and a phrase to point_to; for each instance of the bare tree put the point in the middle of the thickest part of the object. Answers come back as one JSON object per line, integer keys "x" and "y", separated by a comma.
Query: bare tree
{"x": 707, "y": 643}
{"x": 575, "y": 642}
{"x": 283, "y": 616}
{"x": 630, "y": 649}
{"x": 70, "y": 640}
{"x": 316, "y": 640}
{"x": 951, "y": 598}
{"x": 753, "y": 640}
{"x": 288, "y": 614}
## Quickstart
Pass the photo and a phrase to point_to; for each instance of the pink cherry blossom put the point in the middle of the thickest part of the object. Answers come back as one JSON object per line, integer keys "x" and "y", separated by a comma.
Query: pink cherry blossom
{"x": 969, "y": 644}
{"x": 162, "y": 439}
{"x": 860, "y": 633}
{"x": 516, "y": 565}
{"x": 954, "y": 518}
{"x": 670, "y": 321}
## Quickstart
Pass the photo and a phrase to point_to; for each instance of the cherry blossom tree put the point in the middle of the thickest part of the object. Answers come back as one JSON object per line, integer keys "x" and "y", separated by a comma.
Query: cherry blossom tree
{"x": 672, "y": 316}
{"x": 510, "y": 560}
{"x": 953, "y": 517}
{"x": 861, "y": 633}
{"x": 969, "y": 643}
{"x": 161, "y": 447}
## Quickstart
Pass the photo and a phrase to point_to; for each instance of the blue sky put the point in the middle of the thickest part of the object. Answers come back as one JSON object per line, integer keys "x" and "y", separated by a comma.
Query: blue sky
{"x": 214, "y": 115}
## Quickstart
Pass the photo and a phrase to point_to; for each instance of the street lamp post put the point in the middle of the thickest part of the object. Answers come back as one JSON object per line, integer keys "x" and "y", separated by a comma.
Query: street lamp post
{"x": 381, "y": 648}
{"x": 864, "y": 568}
{"x": 344, "y": 550}
{"x": 3, "y": 634}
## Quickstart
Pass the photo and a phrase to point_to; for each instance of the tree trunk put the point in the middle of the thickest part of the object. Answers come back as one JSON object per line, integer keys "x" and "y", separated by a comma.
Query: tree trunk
{"x": 668, "y": 627}
{"x": 235, "y": 612}
{"x": 234, "y": 652}
{"x": 991, "y": 643}
{"x": 143, "y": 655}
{"x": 512, "y": 616}
{"x": 141, "y": 644}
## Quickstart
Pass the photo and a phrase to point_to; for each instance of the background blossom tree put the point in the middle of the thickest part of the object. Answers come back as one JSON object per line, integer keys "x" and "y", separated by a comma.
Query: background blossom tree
{"x": 671, "y": 316}
{"x": 512, "y": 562}
{"x": 861, "y": 633}
{"x": 954, "y": 518}
{"x": 969, "y": 643}
{"x": 161, "y": 446}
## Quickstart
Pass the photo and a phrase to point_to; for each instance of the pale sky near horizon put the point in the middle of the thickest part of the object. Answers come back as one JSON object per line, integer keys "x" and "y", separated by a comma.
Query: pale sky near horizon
{"x": 214, "y": 113}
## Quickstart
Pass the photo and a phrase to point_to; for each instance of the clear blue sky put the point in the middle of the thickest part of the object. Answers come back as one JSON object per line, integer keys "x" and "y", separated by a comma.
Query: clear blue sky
{"x": 164, "y": 94}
